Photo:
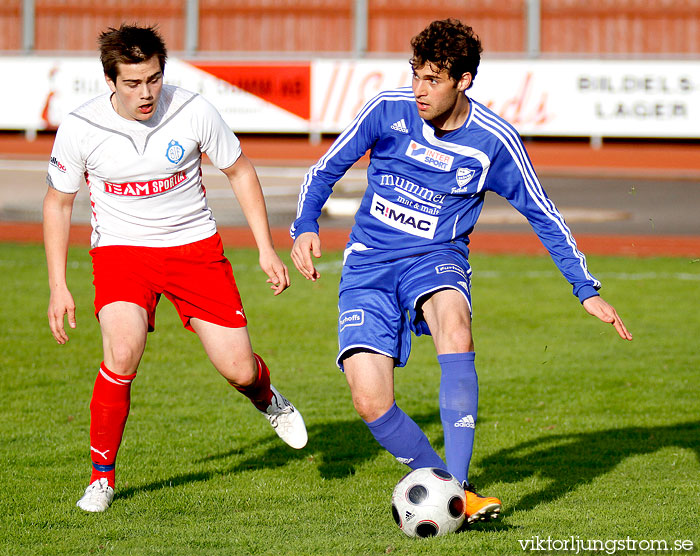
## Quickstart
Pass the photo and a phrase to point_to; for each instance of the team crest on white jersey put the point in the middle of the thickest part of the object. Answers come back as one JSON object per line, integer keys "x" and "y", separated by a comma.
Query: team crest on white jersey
{"x": 429, "y": 157}
{"x": 403, "y": 218}
{"x": 175, "y": 151}
{"x": 464, "y": 176}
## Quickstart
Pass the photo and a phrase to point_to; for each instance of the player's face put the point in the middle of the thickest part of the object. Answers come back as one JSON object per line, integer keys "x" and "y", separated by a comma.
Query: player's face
{"x": 137, "y": 89}
{"x": 438, "y": 95}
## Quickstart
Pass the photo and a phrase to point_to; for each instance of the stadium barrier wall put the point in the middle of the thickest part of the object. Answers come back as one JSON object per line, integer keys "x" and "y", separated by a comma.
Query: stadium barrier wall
{"x": 556, "y": 98}
{"x": 358, "y": 27}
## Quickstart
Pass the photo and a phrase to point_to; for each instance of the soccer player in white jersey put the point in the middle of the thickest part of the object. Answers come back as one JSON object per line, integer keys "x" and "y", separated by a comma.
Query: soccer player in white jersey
{"x": 435, "y": 152}
{"x": 139, "y": 149}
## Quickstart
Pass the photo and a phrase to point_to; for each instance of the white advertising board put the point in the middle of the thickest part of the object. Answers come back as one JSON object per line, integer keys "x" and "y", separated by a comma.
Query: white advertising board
{"x": 567, "y": 98}
{"x": 594, "y": 98}
{"x": 43, "y": 90}
{"x": 652, "y": 98}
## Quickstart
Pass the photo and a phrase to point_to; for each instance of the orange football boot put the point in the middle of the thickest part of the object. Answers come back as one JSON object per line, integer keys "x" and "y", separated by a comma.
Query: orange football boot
{"x": 480, "y": 508}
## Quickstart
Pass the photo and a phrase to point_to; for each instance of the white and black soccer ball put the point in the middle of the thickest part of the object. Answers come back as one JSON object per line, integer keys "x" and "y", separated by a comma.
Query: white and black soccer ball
{"x": 428, "y": 502}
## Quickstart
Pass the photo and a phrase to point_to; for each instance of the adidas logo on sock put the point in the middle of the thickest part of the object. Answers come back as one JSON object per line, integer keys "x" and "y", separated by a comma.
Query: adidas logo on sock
{"x": 466, "y": 422}
{"x": 400, "y": 126}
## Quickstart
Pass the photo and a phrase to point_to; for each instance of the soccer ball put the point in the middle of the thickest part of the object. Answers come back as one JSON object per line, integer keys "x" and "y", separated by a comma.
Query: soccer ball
{"x": 428, "y": 502}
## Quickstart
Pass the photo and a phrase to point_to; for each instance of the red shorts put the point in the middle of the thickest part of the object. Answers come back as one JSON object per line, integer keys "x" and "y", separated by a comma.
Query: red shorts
{"x": 197, "y": 278}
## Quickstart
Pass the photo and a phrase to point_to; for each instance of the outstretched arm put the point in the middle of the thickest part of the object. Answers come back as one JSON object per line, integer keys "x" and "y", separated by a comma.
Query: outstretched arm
{"x": 58, "y": 208}
{"x": 600, "y": 308}
{"x": 246, "y": 186}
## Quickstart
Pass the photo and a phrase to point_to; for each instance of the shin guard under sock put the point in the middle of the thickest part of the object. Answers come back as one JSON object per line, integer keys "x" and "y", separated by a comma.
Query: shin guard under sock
{"x": 403, "y": 439}
{"x": 459, "y": 398}
{"x": 109, "y": 409}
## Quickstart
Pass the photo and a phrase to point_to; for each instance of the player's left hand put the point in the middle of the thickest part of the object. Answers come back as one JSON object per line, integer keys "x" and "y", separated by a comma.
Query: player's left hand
{"x": 598, "y": 307}
{"x": 276, "y": 270}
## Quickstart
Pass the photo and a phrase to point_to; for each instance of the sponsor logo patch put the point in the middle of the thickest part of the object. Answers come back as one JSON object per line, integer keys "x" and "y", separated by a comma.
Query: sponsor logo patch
{"x": 413, "y": 190}
{"x": 400, "y": 126}
{"x": 402, "y": 218}
{"x": 353, "y": 317}
{"x": 442, "y": 268}
{"x": 57, "y": 164}
{"x": 429, "y": 157}
{"x": 145, "y": 188}
{"x": 466, "y": 422}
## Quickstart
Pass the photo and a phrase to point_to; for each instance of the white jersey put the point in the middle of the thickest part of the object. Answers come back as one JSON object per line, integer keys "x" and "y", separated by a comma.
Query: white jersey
{"x": 144, "y": 177}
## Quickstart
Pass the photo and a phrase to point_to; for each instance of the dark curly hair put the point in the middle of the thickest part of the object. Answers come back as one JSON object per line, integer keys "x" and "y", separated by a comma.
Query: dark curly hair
{"x": 130, "y": 45}
{"x": 449, "y": 45}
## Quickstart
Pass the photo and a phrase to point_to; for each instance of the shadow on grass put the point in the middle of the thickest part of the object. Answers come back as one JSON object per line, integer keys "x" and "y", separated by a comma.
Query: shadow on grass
{"x": 565, "y": 461}
{"x": 568, "y": 461}
{"x": 337, "y": 448}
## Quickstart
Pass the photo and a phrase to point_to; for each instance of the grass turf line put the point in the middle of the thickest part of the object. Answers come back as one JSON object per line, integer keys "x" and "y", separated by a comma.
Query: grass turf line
{"x": 580, "y": 434}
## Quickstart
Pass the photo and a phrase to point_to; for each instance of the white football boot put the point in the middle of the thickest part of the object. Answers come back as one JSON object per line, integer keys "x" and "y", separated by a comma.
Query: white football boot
{"x": 98, "y": 496}
{"x": 286, "y": 420}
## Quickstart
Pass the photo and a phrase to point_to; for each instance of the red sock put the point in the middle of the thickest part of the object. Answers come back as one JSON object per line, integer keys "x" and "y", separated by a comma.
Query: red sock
{"x": 259, "y": 392}
{"x": 109, "y": 408}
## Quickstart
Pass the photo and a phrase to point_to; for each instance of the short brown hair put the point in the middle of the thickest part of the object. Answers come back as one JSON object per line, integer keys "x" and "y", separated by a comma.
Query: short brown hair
{"x": 449, "y": 45}
{"x": 130, "y": 45}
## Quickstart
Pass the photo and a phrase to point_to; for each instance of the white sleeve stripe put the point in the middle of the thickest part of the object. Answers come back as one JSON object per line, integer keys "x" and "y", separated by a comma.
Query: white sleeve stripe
{"x": 515, "y": 142}
{"x": 346, "y": 136}
{"x": 532, "y": 184}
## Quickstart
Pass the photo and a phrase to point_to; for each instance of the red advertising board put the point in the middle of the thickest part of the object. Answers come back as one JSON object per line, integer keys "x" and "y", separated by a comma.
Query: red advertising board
{"x": 285, "y": 85}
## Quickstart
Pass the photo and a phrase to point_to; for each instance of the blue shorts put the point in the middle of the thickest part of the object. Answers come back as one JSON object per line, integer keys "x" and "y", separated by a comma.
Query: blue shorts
{"x": 380, "y": 303}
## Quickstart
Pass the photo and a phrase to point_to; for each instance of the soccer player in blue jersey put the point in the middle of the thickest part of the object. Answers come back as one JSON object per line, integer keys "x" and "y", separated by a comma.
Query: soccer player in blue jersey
{"x": 435, "y": 152}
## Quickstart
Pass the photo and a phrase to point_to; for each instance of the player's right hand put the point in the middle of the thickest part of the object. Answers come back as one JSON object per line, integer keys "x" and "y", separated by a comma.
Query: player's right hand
{"x": 600, "y": 308}
{"x": 60, "y": 304}
{"x": 304, "y": 245}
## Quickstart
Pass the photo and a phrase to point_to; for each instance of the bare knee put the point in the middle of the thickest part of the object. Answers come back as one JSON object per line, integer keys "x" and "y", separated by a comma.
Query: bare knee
{"x": 371, "y": 401}
{"x": 454, "y": 339}
{"x": 240, "y": 372}
{"x": 369, "y": 407}
{"x": 371, "y": 379}
{"x": 124, "y": 330}
{"x": 123, "y": 357}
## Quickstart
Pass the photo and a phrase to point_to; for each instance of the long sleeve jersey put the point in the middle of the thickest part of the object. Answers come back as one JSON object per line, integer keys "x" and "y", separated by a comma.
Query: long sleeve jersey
{"x": 425, "y": 193}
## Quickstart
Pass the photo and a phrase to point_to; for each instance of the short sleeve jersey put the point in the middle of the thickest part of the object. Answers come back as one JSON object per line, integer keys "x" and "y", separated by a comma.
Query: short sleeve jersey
{"x": 144, "y": 178}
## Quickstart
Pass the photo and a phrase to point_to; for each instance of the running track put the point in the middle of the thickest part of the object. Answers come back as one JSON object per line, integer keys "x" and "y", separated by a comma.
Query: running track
{"x": 574, "y": 158}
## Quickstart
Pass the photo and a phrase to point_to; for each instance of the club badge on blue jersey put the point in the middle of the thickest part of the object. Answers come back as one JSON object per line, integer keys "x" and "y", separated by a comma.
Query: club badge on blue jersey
{"x": 463, "y": 176}
{"x": 175, "y": 152}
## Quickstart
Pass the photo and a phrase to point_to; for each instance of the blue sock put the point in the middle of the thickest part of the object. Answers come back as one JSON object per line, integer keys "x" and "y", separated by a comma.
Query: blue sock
{"x": 403, "y": 439}
{"x": 459, "y": 398}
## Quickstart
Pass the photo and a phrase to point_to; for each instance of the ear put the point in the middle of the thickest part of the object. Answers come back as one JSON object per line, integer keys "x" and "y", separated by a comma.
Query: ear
{"x": 110, "y": 84}
{"x": 464, "y": 82}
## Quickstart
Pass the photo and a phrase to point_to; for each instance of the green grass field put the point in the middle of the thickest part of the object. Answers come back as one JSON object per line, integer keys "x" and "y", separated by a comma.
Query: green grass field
{"x": 582, "y": 436}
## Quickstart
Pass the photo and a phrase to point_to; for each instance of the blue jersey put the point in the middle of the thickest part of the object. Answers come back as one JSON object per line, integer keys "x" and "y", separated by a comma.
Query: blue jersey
{"x": 425, "y": 193}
